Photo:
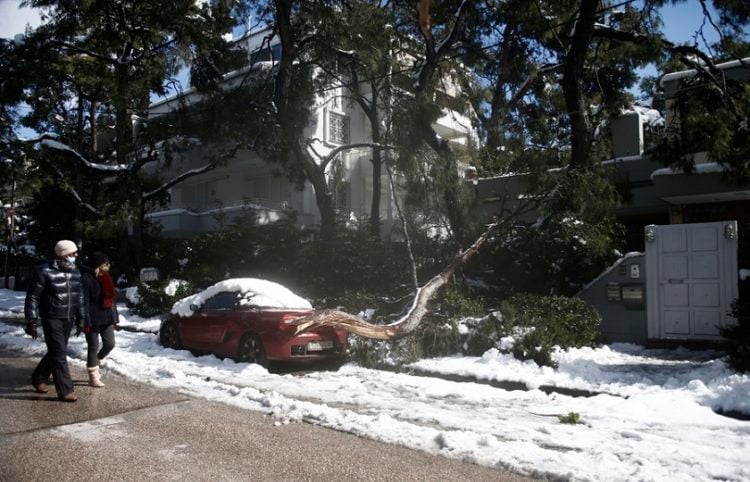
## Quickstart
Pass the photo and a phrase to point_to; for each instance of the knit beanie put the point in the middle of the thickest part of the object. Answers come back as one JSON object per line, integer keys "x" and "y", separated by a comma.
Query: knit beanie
{"x": 65, "y": 247}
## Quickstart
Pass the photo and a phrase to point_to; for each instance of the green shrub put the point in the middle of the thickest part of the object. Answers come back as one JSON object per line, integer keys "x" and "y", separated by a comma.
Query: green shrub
{"x": 571, "y": 418}
{"x": 547, "y": 321}
{"x": 573, "y": 241}
{"x": 484, "y": 333}
{"x": 153, "y": 299}
{"x": 737, "y": 338}
{"x": 368, "y": 353}
{"x": 535, "y": 324}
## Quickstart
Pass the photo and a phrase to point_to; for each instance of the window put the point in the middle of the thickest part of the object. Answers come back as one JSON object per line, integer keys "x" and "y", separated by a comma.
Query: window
{"x": 221, "y": 301}
{"x": 266, "y": 54}
{"x": 338, "y": 128}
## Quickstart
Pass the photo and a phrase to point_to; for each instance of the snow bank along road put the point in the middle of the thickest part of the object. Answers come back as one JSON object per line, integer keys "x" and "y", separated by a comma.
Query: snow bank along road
{"x": 130, "y": 431}
{"x": 640, "y": 429}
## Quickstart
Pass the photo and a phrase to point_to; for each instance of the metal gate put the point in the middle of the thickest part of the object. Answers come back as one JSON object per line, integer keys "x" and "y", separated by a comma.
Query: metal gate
{"x": 691, "y": 279}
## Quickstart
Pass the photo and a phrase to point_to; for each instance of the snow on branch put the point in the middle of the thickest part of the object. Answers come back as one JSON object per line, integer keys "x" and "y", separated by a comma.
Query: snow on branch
{"x": 48, "y": 141}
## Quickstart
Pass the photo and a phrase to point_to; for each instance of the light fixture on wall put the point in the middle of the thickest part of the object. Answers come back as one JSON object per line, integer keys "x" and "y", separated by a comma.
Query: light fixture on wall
{"x": 650, "y": 233}
{"x": 729, "y": 231}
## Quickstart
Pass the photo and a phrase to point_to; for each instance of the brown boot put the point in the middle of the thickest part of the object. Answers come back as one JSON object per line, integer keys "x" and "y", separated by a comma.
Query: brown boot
{"x": 94, "y": 380}
{"x": 68, "y": 397}
{"x": 41, "y": 388}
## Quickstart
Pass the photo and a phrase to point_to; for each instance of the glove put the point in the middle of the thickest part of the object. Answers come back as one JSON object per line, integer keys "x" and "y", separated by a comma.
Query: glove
{"x": 117, "y": 327}
{"x": 31, "y": 330}
{"x": 79, "y": 328}
{"x": 87, "y": 329}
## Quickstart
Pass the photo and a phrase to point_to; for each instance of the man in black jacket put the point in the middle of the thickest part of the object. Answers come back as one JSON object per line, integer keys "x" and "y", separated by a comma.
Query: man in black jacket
{"x": 56, "y": 297}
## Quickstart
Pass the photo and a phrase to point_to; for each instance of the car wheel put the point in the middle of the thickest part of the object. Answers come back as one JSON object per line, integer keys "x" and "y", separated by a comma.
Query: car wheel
{"x": 169, "y": 337}
{"x": 251, "y": 350}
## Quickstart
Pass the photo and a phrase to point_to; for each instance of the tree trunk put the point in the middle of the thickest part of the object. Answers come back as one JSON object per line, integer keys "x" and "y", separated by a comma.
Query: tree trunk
{"x": 407, "y": 324}
{"x": 289, "y": 121}
{"x": 377, "y": 172}
{"x": 323, "y": 195}
{"x": 78, "y": 234}
{"x": 580, "y": 128}
{"x": 123, "y": 122}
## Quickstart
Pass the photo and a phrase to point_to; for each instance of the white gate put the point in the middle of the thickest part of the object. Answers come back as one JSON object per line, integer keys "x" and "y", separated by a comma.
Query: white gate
{"x": 691, "y": 279}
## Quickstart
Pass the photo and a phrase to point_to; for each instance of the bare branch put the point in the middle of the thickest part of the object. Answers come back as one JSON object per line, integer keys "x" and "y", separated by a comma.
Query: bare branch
{"x": 415, "y": 279}
{"x": 193, "y": 172}
{"x": 434, "y": 55}
{"x": 178, "y": 179}
{"x": 325, "y": 160}
{"x": 77, "y": 196}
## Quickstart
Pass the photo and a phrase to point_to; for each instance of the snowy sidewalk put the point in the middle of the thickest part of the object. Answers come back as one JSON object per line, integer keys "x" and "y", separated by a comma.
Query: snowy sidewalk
{"x": 131, "y": 431}
{"x": 649, "y": 419}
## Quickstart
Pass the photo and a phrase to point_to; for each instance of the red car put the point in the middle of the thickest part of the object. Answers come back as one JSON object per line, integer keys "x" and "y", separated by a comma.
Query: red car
{"x": 248, "y": 319}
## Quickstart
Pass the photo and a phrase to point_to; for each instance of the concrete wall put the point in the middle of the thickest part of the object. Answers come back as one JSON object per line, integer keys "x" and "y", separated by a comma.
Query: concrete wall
{"x": 620, "y": 298}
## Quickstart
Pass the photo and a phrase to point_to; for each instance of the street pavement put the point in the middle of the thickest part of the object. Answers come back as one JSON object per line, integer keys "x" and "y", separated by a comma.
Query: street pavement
{"x": 132, "y": 431}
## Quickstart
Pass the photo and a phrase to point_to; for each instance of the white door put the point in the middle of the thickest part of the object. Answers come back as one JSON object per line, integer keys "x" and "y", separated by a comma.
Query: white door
{"x": 691, "y": 279}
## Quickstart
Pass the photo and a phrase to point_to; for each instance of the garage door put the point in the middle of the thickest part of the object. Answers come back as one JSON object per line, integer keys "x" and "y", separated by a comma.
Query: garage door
{"x": 691, "y": 279}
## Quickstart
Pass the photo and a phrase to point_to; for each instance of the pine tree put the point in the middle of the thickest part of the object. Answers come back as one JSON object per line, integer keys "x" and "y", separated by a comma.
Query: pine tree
{"x": 90, "y": 70}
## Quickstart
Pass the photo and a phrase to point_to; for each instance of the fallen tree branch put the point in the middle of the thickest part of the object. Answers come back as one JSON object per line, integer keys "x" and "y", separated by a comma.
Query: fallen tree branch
{"x": 405, "y": 325}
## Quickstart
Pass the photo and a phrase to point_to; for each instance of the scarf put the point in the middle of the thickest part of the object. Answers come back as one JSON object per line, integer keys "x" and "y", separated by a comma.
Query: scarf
{"x": 108, "y": 290}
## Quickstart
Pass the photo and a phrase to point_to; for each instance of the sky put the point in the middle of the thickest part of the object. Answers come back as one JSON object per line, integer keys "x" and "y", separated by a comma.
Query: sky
{"x": 681, "y": 21}
{"x": 649, "y": 416}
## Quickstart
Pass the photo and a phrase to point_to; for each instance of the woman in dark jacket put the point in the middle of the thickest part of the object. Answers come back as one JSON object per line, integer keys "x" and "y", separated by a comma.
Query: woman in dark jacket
{"x": 103, "y": 317}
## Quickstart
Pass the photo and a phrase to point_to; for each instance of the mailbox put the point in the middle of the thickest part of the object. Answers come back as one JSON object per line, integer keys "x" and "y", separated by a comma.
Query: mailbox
{"x": 149, "y": 274}
{"x": 633, "y": 296}
{"x": 613, "y": 292}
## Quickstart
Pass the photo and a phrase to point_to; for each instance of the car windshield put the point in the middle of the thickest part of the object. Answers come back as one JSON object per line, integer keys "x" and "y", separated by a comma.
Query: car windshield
{"x": 221, "y": 301}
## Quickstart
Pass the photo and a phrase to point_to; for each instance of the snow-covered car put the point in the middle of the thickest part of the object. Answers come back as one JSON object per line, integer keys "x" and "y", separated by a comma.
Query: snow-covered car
{"x": 249, "y": 319}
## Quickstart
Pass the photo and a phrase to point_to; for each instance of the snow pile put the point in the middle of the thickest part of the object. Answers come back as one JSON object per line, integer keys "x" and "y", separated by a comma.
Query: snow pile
{"x": 255, "y": 292}
{"x": 11, "y": 303}
{"x": 650, "y": 417}
{"x": 173, "y": 286}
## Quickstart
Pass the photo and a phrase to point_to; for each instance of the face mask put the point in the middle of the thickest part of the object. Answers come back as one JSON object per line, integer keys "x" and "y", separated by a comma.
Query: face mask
{"x": 70, "y": 259}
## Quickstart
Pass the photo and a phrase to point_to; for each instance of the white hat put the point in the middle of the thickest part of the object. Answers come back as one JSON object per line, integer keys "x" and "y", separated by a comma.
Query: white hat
{"x": 65, "y": 247}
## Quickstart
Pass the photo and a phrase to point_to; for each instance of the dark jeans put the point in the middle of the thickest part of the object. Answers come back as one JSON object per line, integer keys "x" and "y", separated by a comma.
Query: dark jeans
{"x": 55, "y": 361}
{"x": 108, "y": 342}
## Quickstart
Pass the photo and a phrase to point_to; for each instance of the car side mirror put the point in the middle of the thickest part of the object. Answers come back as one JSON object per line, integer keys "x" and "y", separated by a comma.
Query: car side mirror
{"x": 194, "y": 307}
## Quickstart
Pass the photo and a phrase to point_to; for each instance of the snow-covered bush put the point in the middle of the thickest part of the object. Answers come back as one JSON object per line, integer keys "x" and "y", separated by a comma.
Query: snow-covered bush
{"x": 549, "y": 321}
{"x": 156, "y": 298}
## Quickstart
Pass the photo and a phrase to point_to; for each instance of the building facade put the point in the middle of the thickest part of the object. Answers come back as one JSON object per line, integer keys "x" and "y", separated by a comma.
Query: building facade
{"x": 248, "y": 189}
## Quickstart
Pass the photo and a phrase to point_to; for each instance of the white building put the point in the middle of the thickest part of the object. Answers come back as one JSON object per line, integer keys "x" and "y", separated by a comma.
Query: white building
{"x": 246, "y": 187}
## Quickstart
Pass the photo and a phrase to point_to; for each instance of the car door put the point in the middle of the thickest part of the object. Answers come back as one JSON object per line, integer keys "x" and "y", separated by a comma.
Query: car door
{"x": 205, "y": 330}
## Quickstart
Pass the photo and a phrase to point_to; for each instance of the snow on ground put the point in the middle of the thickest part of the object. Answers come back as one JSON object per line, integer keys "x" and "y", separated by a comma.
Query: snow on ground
{"x": 652, "y": 418}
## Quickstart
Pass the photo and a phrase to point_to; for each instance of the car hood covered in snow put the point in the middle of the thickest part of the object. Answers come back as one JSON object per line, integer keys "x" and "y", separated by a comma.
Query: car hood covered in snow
{"x": 257, "y": 292}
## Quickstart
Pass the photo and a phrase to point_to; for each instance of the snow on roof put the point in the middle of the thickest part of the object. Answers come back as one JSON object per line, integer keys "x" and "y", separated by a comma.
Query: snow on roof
{"x": 651, "y": 117}
{"x": 691, "y": 72}
{"x": 704, "y": 168}
{"x": 631, "y": 254}
{"x": 258, "y": 292}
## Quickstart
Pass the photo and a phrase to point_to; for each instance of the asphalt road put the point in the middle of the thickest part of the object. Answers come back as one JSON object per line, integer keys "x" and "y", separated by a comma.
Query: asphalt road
{"x": 132, "y": 431}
